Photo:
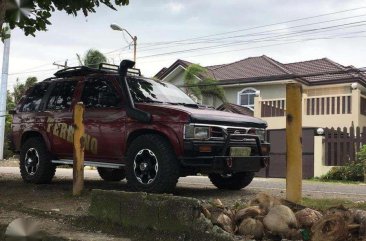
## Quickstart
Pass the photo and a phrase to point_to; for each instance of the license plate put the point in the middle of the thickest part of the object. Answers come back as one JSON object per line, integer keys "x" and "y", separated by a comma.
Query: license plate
{"x": 240, "y": 151}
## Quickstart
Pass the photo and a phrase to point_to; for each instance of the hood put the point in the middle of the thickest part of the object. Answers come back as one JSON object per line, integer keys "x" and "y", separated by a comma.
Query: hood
{"x": 205, "y": 115}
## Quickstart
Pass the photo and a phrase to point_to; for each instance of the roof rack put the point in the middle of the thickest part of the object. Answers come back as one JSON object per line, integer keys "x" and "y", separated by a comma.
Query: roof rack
{"x": 103, "y": 68}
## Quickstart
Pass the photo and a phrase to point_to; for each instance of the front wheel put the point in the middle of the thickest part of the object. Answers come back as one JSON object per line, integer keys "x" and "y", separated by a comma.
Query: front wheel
{"x": 235, "y": 181}
{"x": 151, "y": 165}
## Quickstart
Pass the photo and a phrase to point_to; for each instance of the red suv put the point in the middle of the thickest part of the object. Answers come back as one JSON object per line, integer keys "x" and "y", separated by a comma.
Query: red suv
{"x": 144, "y": 130}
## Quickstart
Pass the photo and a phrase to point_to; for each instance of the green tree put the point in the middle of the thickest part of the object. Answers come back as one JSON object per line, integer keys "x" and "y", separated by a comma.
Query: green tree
{"x": 20, "y": 88}
{"x": 92, "y": 58}
{"x": 205, "y": 86}
{"x": 8, "y": 119}
{"x": 43, "y": 10}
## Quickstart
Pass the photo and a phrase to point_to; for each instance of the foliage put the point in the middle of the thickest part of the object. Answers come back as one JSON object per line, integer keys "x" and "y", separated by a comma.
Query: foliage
{"x": 20, "y": 88}
{"x": 43, "y": 10}
{"x": 206, "y": 86}
{"x": 92, "y": 58}
{"x": 361, "y": 156}
{"x": 11, "y": 101}
{"x": 353, "y": 171}
{"x": 8, "y": 119}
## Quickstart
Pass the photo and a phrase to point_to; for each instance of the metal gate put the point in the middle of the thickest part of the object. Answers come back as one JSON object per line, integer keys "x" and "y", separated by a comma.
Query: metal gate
{"x": 277, "y": 167}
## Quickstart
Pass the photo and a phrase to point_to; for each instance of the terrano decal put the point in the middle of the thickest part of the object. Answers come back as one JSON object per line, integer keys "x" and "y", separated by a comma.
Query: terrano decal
{"x": 66, "y": 132}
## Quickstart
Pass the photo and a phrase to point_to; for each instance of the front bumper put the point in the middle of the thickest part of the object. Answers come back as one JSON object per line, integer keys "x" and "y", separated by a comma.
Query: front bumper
{"x": 220, "y": 160}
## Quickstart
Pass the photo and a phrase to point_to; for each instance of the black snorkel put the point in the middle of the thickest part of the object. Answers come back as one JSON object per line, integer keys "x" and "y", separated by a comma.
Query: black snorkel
{"x": 131, "y": 110}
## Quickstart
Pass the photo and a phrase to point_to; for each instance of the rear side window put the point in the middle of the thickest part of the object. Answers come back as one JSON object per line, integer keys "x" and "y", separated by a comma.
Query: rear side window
{"x": 61, "y": 96}
{"x": 33, "y": 100}
{"x": 99, "y": 93}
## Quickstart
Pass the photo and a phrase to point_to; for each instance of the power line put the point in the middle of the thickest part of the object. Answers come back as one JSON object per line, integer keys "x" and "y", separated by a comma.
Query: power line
{"x": 234, "y": 43}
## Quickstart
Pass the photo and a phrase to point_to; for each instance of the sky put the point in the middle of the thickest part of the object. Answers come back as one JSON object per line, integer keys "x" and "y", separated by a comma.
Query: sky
{"x": 207, "y": 32}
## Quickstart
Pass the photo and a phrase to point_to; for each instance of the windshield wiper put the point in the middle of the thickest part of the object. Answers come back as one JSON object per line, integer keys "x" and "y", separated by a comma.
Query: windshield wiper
{"x": 149, "y": 101}
{"x": 184, "y": 104}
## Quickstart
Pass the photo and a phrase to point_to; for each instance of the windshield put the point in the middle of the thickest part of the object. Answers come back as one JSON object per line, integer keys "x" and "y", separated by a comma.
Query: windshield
{"x": 148, "y": 90}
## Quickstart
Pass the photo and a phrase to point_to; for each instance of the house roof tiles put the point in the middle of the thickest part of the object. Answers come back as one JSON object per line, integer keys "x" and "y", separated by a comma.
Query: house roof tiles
{"x": 262, "y": 67}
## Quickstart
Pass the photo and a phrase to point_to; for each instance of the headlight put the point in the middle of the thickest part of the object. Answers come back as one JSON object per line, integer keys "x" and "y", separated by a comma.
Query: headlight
{"x": 261, "y": 133}
{"x": 196, "y": 132}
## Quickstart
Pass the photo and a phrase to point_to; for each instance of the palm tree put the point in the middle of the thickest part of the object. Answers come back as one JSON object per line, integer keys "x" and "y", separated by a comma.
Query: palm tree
{"x": 198, "y": 83}
{"x": 92, "y": 58}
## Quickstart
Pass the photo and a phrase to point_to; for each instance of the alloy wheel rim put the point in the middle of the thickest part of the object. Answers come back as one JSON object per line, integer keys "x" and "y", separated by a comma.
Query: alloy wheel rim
{"x": 31, "y": 161}
{"x": 145, "y": 166}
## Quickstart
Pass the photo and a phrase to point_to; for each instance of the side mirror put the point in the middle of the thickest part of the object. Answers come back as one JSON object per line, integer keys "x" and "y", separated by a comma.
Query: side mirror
{"x": 12, "y": 112}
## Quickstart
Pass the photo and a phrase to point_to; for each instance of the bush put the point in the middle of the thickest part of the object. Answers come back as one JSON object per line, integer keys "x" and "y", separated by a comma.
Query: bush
{"x": 354, "y": 171}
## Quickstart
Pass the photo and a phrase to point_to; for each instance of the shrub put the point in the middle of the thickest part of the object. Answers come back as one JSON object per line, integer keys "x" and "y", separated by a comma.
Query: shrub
{"x": 354, "y": 171}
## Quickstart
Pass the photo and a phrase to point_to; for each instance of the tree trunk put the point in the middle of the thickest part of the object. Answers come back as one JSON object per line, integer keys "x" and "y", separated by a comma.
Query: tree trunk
{"x": 2, "y": 12}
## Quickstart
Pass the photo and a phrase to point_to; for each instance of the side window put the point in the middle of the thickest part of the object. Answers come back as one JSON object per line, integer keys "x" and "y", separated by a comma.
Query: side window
{"x": 99, "y": 93}
{"x": 61, "y": 95}
{"x": 33, "y": 100}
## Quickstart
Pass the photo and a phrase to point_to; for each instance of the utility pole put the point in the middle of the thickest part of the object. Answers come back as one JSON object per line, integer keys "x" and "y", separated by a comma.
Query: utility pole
{"x": 294, "y": 142}
{"x": 134, "y": 49}
{"x": 3, "y": 90}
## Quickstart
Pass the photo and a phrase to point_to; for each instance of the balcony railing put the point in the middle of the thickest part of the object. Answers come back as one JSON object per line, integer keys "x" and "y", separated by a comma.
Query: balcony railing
{"x": 328, "y": 105}
{"x": 273, "y": 107}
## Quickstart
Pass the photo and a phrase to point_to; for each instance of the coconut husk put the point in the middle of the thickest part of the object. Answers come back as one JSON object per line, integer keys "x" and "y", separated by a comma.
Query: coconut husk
{"x": 264, "y": 201}
{"x": 307, "y": 217}
{"x": 358, "y": 215}
{"x": 342, "y": 211}
{"x": 217, "y": 203}
{"x": 332, "y": 227}
{"x": 362, "y": 229}
{"x": 226, "y": 223}
{"x": 252, "y": 228}
{"x": 280, "y": 220}
{"x": 249, "y": 212}
{"x": 206, "y": 212}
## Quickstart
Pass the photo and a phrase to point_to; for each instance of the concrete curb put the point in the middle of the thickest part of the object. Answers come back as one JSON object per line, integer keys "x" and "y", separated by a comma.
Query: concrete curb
{"x": 165, "y": 213}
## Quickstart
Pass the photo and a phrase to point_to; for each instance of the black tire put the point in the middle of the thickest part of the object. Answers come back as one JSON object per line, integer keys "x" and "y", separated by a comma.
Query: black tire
{"x": 234, "y": 181}
{"x": 111, "y": 175}
{"x": 34, "y": 151}
{"x": 146, "y": 151}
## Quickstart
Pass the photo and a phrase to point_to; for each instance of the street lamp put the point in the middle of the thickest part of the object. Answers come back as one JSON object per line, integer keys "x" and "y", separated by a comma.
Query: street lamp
{"x": 134, "y": 38}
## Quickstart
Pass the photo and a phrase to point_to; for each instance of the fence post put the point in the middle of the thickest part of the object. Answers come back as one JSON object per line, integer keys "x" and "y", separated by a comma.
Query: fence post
{"x": 294, "y": 142}
{"x": 79, "y": 145}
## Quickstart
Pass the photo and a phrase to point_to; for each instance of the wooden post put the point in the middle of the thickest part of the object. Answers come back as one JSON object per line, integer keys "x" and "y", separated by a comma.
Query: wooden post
{"x": 294, "y": 142}
{"x": 79, "y": 145}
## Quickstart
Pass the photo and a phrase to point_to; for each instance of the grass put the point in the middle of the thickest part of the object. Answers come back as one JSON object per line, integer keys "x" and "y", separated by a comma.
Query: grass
{"x": 318, "y": 179}
{"x": 324, "y": 204}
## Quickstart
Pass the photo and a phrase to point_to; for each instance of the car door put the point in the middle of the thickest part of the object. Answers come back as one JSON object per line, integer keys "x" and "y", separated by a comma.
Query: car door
{"x": 104, "y": 120}
{"x": 59, "y": 112}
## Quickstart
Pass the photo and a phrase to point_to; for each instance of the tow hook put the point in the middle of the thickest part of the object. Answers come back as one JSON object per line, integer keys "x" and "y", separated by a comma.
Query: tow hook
{"x": 229, "y": 162}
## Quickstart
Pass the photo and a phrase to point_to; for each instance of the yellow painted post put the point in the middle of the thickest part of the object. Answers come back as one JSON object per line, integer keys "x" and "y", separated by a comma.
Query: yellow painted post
{"x": 294, "y": 142}
{"x": 79, "y": 145}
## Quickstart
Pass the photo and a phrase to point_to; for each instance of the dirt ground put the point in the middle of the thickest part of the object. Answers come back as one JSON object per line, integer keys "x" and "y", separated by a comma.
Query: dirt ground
{"x": 64, "y": 215}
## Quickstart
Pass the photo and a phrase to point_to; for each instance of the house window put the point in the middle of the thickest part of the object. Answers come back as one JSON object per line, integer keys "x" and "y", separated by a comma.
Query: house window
{"x": 246, "y": 97}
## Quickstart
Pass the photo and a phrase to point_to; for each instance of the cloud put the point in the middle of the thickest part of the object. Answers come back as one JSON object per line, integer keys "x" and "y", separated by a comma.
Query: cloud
{"x": 175, "y": 7}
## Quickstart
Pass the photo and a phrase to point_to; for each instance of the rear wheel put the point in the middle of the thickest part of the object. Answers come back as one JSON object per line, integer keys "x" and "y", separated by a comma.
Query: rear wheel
{"x": 151, "y": 165}
{"x": 235, "y": 181}
{"x": 35, "y": 162}
{"x": 111, "y": 175}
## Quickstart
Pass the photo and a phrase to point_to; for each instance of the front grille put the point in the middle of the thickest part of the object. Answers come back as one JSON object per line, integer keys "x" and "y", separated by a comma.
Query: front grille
{"x": 236, "y": 131}
{"x": 216, "y": 132}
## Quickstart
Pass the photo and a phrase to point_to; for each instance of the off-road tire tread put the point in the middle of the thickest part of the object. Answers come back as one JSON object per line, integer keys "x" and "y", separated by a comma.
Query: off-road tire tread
{"x": 168, "y": 173}
{"x": 112, "y": 175}
{"x": 236, "y": 182}
{"x": 46, "y": 170}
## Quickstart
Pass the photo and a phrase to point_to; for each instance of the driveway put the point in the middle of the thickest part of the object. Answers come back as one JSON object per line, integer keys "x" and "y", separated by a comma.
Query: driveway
{"x": 200, "y": 186}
